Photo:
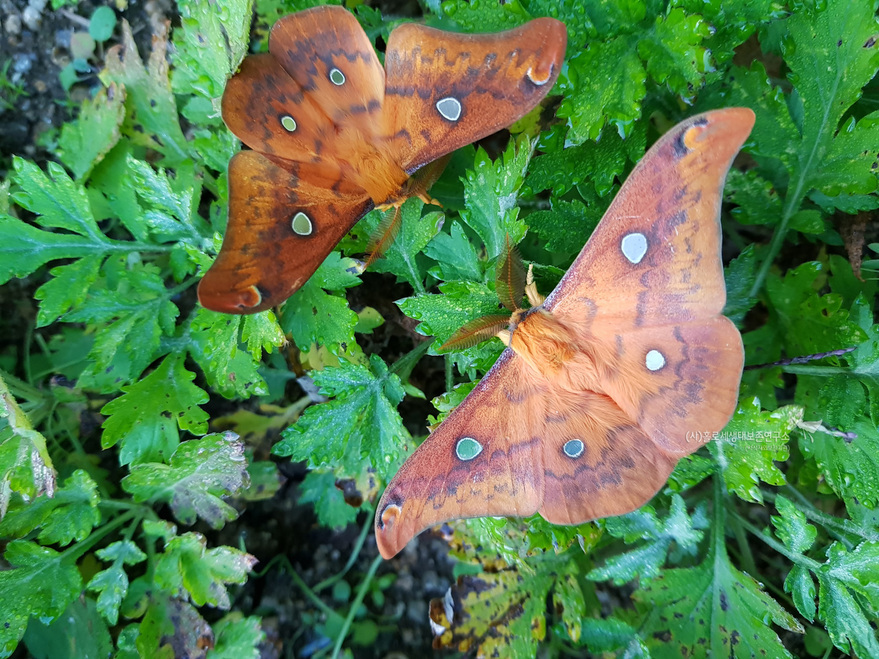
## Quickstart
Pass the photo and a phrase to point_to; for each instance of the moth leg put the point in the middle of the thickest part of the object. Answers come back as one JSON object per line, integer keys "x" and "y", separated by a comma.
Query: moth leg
{"x": 534, "y": 298}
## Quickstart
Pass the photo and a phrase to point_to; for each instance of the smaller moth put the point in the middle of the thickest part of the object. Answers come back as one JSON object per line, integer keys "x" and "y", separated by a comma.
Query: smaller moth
{"x": 334, "y": 135}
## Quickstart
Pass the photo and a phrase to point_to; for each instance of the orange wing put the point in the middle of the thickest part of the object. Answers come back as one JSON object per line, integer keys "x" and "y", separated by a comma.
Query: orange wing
{"x": 514, "y": 446}
{"x": 649, "y": 285}
{"x": 613, "y": 376}
{"x": 281, "y": 228}
{"x": 446, "y": 90}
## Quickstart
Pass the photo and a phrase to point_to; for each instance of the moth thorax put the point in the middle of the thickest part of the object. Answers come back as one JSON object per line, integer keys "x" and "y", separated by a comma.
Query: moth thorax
{"x": 372, "y": 167}
{"x": 542, "y": 341}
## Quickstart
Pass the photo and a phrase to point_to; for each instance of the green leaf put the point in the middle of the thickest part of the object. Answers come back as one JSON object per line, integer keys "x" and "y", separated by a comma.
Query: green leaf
{"x": 55, "y": 198}
{"x": 151, "y": 111}
{"x": 112, "y": 583}
{"x": 594, "y": 163}
{"x": 23, "y": 248}
{"x": 673, "y": 51}
{"x": 442, "y": 315}
{"x": 810, "y": 322}
{"x": 25, "y": 464}
{"x": 455, "y": 255}
{"x": 313, "y": 316}
{"x": 791, "y": 526}
{"x": 102, "y": 23}
{"x": 187, "y": 565}
{"x": 208, "y": 46}
{"x": 415, "y": 233}
{"x": 603, "y": 84}
{"x": 237, "y": 637}
{"x": 134, "y": 311}
{"x": 646, "y": 560}
{"x": 832, "y": 53}
{"x": 490, "y": 193}
{"x": 319, "y": 488}
{"x": 69, "y": 515}
{"x": 750, "y": 444}
{"x": 485, "y": 15}
{"x": 849, "y": 466}
{"x": 146, "y": 417}
{"x": 230, "y": 371}
{"x": 359, "y": 423}
{"x": 848, "y": 597}
{"x": 712, "y": 609}
{"x": 84, "y": 142}
{"x": 67, "y": 289}
{"x": 566, "y": 227}
{"x": 201, "y": 472}
{"x": 40, "y": 585}
{"x": 261, "y": 332}
{"x": 77, "y": 633}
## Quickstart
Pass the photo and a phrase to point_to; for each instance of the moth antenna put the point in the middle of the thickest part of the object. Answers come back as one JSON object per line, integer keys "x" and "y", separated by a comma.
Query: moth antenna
{"x": 384, "y": 236}
{"x": 510, "y": 276}
{"x": 476, "y": 331}
{"x": 534, "y": 298}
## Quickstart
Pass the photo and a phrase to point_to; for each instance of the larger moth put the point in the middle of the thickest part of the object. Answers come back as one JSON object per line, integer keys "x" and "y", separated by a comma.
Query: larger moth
{"x": 611, "y": 379}
{"x": 333, "y": 134}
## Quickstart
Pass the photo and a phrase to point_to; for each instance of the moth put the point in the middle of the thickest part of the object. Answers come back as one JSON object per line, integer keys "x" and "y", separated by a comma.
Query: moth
{"x": 334, "y": 135}
{"x": 610, "y": 380}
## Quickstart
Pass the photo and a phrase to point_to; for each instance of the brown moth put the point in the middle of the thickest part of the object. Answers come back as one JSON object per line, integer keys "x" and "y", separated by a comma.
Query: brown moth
{"x": 335, "y": 135}
{"x": 611, "y": 379}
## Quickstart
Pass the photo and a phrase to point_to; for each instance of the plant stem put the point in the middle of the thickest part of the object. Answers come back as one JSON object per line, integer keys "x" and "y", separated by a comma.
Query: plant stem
{"x": 358, "y": 600}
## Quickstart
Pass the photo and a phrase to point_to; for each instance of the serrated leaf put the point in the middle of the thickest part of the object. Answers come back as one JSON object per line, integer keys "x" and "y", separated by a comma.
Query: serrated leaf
{"x": 646, "y": 560}
{"x": 597, "y": 163}
{"x": 791, "y": 526}
{"x": 40, "y": 584}
{"x": 605, "y": 83}
{"x": 712, "y": 609}
{"x": 237, "y": 637}
{"x": 200, "y": 68}
{"x": 455, "y": 255}
{"x": 67, "y": 289}
{"x": 149, "y": 103}
{"x": 844, "y": 581}
{"x": 566, "y": 227}
{"x": 673, "y": 51}
{"x": 201, "y": 472}
{"x": 214, "y": 346}
{"x": 134, "y": 311}
{"x": 485, "y": 15}
{"x": 319, "y": 488}
{"x": 187, "y": 565}
{"x": 112, "y": 583}
{"x": 146, "y": 417}
{"x": 750, "y": 444}
{"x": 69, "y": 515}
{"x": 84, "y": 142}
{"x": 490, "y": 193}
{"x": 360, "y": 422}
{"x": 401, "y": 257}
{"x": 312, "y": 315}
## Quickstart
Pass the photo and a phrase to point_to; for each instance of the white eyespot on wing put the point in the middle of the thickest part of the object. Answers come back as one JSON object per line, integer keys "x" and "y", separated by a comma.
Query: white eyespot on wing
{"x": 634, "y": 247}
{"x": 301, "y": 224}
{"x": 337, "y": 77}
{"x": 574, "y": 448}
{"x": 449, "y": 108}
{"x": 654, "y": 360}
{"x": 288, "y": 123}
{"x": 467, "y": 448}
